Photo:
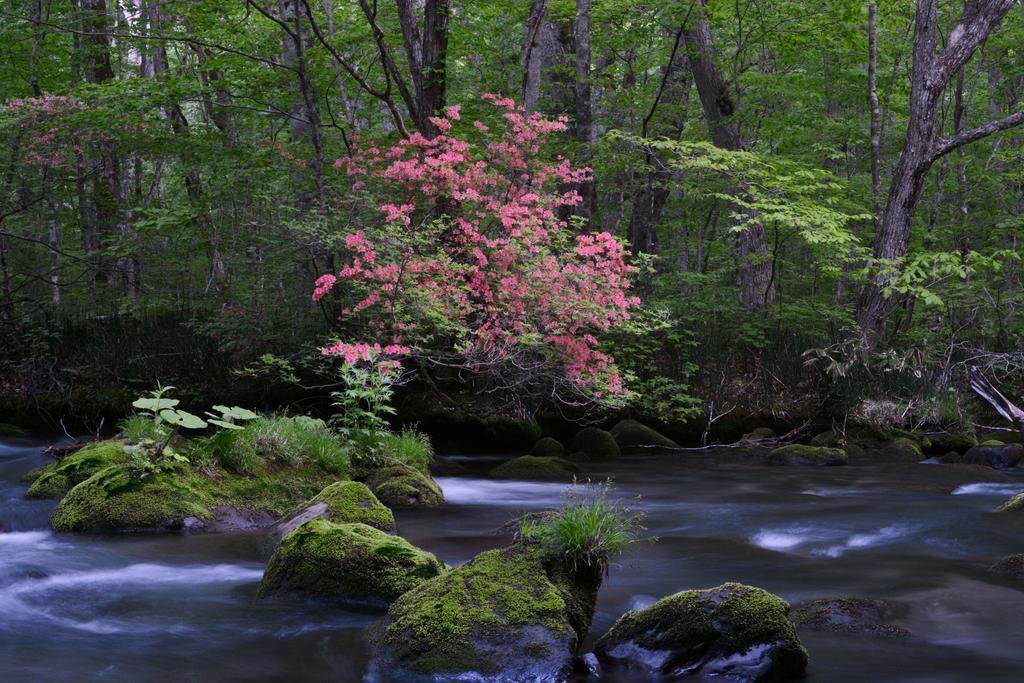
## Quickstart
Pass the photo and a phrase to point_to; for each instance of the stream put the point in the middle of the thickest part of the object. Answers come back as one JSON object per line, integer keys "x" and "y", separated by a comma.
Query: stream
{"x": 182, "y": 607}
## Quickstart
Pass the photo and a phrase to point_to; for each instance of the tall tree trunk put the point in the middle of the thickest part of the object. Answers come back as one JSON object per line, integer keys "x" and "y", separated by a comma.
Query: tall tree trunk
{"x": 533, "y": 56}
{"x": 876, "y": 119}
{"x": 931, "y": 74}
{"x": 754, "y": 265}
{"x": 584, "y": 110}
{"x": 427, "y": 55}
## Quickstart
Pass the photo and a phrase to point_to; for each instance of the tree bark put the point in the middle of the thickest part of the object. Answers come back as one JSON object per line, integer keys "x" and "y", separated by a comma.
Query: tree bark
{"x": 931, "y": 74}
{"x": 876, "y": 120}
{"x": 754, "y": 265}
{"x": 427, "y": 55}
{"x": 532, "y": 57}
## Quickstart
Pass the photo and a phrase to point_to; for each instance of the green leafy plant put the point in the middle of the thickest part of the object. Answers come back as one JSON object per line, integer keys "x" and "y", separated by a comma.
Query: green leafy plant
{"x": 365, "y": 399}
{"x": 589, "y": 531}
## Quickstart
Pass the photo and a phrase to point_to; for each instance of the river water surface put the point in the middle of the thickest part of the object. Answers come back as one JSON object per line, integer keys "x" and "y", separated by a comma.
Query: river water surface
{"x": 182, "y": 607}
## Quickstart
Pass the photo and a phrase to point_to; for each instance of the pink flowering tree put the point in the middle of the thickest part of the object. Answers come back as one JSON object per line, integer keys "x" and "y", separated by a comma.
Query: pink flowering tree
{"x": 468, "y": 262}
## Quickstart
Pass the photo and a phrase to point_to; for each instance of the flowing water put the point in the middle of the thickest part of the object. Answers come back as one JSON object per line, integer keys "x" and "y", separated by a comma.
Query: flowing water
{"x": 182, "y": 607}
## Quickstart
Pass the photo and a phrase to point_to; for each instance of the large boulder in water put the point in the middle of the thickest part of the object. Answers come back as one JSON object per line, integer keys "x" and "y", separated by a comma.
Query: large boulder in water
{"x": 508, "y": 615}
{"x": 533, "y": 467}
{"x": 733, "y": 632}
{"x": 947, "y": 442}
{"x": 402, "y": 486}
{"x": 592, "y": 443}
{"x": 348, "y": 562}
{"x": 548, "y": 447}
{"x": 634, "y": 437}
{"x": 113, "y": 499}
{"x": 1015, "y": 504}
{"x": 341, "y": 502}
{"x": 857, "y": 616}
{"x": 1000, "y": 456}
{"x": 56, "y": 479}
{"x": 796, "y": 454}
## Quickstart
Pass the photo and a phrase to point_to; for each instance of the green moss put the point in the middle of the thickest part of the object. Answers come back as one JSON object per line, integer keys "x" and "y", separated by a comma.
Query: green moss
{"x": 351, "y": 502}
{"x": 347, "y": 561}
{"x": 902, "y": 448}
{"x": 271, "y": 443}
{"x": 960, "y": 442}
{"x": 991, "y": 442}
{"x": 796, "y": 454}
{"x": 1015, "y": 504}
{"x": 112, "y": 500}
{"x": 631, "y": 435}
{"x": 276, "y": 492}
{"x": 404, "y": 486}
{"x": 533, "y": 467}
{"x": 548, "y": 448}
{"x": 701, "y": 625}
{"x": 596, "y": 443}
{"x": 58, "y": 478}
{"x": 440, "y": 626}
{"x": 7, "y": 429}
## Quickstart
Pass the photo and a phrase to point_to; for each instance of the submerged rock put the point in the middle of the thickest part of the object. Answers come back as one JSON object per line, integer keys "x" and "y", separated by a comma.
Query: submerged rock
{"x": 733, "y": 632}
{"x": 56, "y": 479}
{"x": 348, "y": 562}
{"x": 595, "y": 444}
{"x": 341, "y": 502}
{"x": 635, "y": 437}
{"x": 796, "y": 454}
{"x": 548, "y": 447}
{"x": 1011, "y": 565}
{"x": 404, "y": 486}
{"x": 507, "y": 615}
{"x": 1015, "y": 504}
{"x": 859, "y": 616}
{"x": 533, "y": 467}
{"x": 1000, "y": 457}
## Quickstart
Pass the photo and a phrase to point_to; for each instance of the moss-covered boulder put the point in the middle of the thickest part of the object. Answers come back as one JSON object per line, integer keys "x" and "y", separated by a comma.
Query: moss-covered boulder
{"x": 113, "y": 499}
{"x": 733, "y": 632}
{"x": 634, "y": 437}
{"x": 548, "y": 447}
{"x": 341, "y": 502}
{"x": 949, "y": 442}
{"x": 1000, "y": 457}
{"x": 757, "y": 436}
{"x": 857, "y": 616}
{"x": 900, "y": 449}
{"x": 7, "y": 429}
{"x": 533, "y": 467}
{"x": 1015, "y": 504}
{"x": 347, "y": 562}
{"x": 797, "y": 454}
{"x": 56, "y": 479}
{"x": 1011, "y": 566}
{"x": 508, "y": 615}
{"x": 594, "y": 444}
{"x": 403, "y": 486}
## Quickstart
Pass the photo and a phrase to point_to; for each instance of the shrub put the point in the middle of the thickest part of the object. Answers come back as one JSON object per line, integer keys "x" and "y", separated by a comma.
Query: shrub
{"x": 588, "y": 532}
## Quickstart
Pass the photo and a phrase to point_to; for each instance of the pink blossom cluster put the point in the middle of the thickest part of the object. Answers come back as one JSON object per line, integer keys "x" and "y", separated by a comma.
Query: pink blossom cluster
{"x": 505, "y": 269}
{"x": 49, "y": 141}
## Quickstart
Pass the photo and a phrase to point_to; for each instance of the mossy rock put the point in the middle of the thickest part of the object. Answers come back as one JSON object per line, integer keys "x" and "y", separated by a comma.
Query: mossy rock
{"x": 796, "y": 454}
{"x": 548, "y": 448}
{"x": 1003, "y": 436}
{"x": 56, "y": 479}
{"x": 949, "y": 442}
{"x": 634, "y": 437}
{"x": 505, "y": 432}
{"x": 113, "y": 500}
{"x": 533, "y": 467}
{"x": 508, "y": 614}
{"x": 7, "y": 429}
{"x": 595, "y": 444}
{"x": 353, "y": 562}
{"x": 900, "y": 449}
{"x": 403, "y": 486}
{"x": 1015, "y": 504}
{"x": 1001, "y": 457}
{"x": 758, "y": 435}
{"x": 857, "y": 616}
{"x": 992, "y": 442}
{"x": 1011, "y": 566}
{"x": 736, "y": 632}
{"x": 342, "y": 502}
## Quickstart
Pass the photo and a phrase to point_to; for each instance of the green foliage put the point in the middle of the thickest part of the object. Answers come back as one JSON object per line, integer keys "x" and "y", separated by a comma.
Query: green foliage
{"x": 275, "y": 441}
{"x": 589, "y": 531}
{"x": 148, "y": 457}
{"x": 365, "y": 399}
{"x": 139, "y": 427}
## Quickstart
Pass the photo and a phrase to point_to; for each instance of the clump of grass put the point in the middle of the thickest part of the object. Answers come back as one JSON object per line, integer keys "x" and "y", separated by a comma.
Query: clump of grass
{"x": 277, "y": 440}
{"x": 589, "y": 531}
{"x": 382, "y": 449}
{"x": 140, "y": 428}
